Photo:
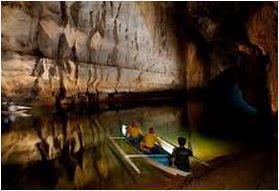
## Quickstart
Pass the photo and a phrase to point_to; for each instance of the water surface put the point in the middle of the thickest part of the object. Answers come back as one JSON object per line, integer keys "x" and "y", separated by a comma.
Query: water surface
{"x": 73, "y": 151}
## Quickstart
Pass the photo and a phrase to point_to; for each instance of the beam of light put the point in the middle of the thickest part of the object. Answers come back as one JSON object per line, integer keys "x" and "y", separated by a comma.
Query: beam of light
{"x": 124, "y": 129}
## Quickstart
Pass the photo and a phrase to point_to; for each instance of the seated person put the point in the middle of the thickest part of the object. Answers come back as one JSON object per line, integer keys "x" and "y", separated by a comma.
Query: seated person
{"x": 149, "y": 140}
{"x": 134, "y": 133}
{"x": 181, "y": 155}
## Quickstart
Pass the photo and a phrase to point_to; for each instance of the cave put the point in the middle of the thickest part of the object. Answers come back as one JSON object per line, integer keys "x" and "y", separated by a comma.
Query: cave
{"x": 78, "y": 77}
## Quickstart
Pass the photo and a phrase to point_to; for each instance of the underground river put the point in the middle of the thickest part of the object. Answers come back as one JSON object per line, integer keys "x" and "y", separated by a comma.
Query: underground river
{"x": 36, "y": 153}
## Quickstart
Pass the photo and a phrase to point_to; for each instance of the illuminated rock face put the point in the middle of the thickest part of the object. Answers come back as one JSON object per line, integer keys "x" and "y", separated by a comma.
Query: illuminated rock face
{"x": 262, "y": 31}
{"x": 88, "y": 46}
{"x": 108, "y": 47}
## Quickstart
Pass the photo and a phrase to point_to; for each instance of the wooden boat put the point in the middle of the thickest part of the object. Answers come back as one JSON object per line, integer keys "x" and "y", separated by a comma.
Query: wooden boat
{"x": 161, "y": 158}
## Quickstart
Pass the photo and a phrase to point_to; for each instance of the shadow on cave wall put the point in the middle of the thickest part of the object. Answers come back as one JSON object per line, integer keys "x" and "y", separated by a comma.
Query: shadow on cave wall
{"x": 227, "y": 111}
{"x": 234, "y": 81}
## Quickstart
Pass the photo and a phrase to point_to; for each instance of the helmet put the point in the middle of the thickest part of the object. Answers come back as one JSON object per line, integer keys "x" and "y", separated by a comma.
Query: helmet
{"x": 151, "y": 130}
{"x": 134, "y": 122}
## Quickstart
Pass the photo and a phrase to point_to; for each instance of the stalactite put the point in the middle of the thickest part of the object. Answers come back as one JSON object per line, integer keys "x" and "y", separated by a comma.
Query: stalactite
{"x": 76, "y": 62}
{"x": 64, "y": 16}
{"x": 75, "y": 9}
{"x": 118, "y": 80}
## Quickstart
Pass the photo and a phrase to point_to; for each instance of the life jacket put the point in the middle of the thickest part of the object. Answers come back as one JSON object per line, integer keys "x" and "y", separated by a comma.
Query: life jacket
{"x": 181, "y": 156}
{"x": 134, "y": 132}
{"x": 149, "y": 140}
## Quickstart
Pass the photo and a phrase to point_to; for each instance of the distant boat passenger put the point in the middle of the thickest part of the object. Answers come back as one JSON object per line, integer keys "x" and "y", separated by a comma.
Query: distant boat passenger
{"x": 181, "y": 155}
{"x": 148, "y": 142}
{"x": 134, "y": 133}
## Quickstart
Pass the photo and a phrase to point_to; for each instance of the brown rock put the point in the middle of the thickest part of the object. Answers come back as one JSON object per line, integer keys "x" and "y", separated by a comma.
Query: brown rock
{"x": 262, "y": 31}
{"x": 113, "y": 46}
{"x": 19, "y": 30}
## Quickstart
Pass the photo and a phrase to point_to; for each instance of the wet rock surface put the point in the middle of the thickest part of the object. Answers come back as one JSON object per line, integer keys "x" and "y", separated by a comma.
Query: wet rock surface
{"x": 89, "y": 46}
{"x": 263, "y": 31}
{"x": 117, "y": 47}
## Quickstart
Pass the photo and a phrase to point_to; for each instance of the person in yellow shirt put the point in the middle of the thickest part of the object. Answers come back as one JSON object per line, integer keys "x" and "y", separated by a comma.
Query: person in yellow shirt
{"x": 149, "y": 141}
{"x": 134, "y": 133}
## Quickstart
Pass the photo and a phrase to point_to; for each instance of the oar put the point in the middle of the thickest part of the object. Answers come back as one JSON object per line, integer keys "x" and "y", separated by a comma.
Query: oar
{"x": 117, "y": 138}
{"x": 146, "y": 155}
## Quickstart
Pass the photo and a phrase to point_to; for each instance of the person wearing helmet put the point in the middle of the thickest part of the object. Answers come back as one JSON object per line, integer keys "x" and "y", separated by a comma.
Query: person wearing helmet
{"x": 148, "y": 142}
{"x": 181, "y": 155}
{"x": 134, "y": 133}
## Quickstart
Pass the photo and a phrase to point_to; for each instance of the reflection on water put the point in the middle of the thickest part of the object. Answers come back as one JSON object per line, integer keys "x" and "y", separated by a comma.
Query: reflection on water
{"x": 71, "y": 151}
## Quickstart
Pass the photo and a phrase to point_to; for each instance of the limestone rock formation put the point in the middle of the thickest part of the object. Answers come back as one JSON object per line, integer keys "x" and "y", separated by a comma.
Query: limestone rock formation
{"x": 106, "y": 47}
{"x": 87, "y": 46}
{"x": 263, "y": 30}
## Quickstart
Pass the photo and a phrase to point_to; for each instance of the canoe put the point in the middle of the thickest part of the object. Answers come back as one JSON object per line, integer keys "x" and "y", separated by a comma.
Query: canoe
{"x": 160, "y": 159}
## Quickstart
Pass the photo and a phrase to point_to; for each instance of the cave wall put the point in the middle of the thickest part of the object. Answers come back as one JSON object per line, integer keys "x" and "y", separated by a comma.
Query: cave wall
{"x": 107, "y": 47}
{"x": 238, "y": 36}
{"x": 262, "y": 28}
{"x": 87, "y": 46}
